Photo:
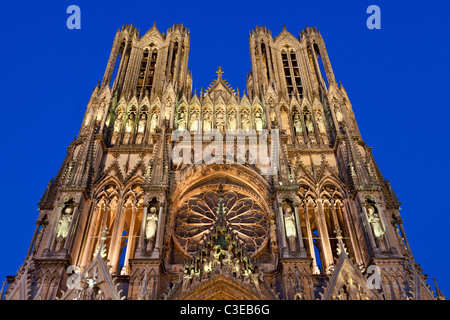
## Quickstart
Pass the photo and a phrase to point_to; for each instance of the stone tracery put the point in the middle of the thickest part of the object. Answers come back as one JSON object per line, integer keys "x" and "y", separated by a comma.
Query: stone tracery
{"x": 197, "y": 217}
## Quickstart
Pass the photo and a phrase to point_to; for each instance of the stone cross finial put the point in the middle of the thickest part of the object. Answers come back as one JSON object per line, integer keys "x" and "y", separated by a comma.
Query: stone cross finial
{"x": 219, "y": 73}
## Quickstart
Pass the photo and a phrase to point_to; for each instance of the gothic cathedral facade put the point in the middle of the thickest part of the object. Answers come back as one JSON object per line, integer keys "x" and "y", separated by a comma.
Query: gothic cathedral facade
{"x": 267, "y": 194}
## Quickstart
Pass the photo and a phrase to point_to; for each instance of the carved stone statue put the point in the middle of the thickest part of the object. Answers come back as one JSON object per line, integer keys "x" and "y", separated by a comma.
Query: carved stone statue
{"x": 181, "y": 121}
{"x": 152, "y": 225}
{"x": 256, "y": 276}
{"x": 232, "y": 122}
{"x": 273, "y": 235}
{"x": 193, "y": 125}
{"x": 258, "y": 121}
{"x": 322, "y": 130}
{"x": 215, "y": 257}
{"x": 141, "y": 128}
{"x": 207, "y": 123}
{"x": 100, "y": 113}
{"x": 308, "y": 123}
{"x": 339, "y": 115}
{"x": 154, "y": 121}
{"x": 297, "y": 124}
{"x": 207, "y": 268}
{"x": 87, "y": 119}
{"x": 237, "y": 268}
{"x": 186, "y": 279}
{"x": 246, "y": 122}
{"x": 128, "y": 129}
{"x": 320, "y": 124}
{"x": 64, "y": 223}
{"x": 220, "y": 121}
{"x": 289, "y": 224}
{"x": 375, "y": 222}
{"x": 351, "y": 290}
{"x": 117, "y": 128}
{"x": 273, "y": 117}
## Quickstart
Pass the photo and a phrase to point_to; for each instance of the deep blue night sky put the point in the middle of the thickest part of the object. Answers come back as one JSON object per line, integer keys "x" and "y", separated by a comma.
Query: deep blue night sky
{"x": 396, "y": 79}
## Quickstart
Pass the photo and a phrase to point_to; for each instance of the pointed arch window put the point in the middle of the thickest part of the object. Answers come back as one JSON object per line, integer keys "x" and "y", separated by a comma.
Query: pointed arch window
{"x": 174, "y": 60}
{"x": 147, "y": 71}
{"x": 292, "y": 72}
{"x": 321, "y": 65}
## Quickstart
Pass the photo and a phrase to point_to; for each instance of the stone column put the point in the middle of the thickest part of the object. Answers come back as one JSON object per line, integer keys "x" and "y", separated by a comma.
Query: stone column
{"x": 36, "y": 231}
{"x": 299, "y": 231}
{"x": 368, "y": 227}
{"x": 402, "y": 230}
{"x": 310, "y": 239}
{"x": 269, "y": 63}
{"x": 94, "y": 222}
{"x": 283, "y": 249}
{"x": 323, "y": 234}
{"x": 159, "y": 232}
{"x": 116, "y": 236}
{"x": 130, "y": 244}
{"x": 53, "y": 227}
{"x": 72, "y": 223}
{"x": 385, "y": 227}
{"x": 143, "y": 224}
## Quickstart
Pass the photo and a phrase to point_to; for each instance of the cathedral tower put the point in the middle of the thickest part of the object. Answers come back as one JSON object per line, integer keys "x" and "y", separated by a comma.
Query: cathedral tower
{"x": 167, "y": 194}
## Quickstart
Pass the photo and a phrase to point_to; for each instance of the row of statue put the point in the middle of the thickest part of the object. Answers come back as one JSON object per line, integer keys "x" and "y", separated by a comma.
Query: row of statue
{"x": 221, "y": 124}
{"x": 129, "y": 127}
{"x": 193, "y": 123}
{"x": 227, "y": 260}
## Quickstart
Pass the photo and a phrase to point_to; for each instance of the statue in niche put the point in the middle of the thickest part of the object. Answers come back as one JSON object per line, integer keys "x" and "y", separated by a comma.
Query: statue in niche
{"x": 297, "y": 124}
{"x": 374, "y": 220}
{"x": 246, "y": 126}
{"x": 308, "y": 123}
{"x": 255, "y": 277}
{"x": 154, "y": 121}
{"x": 141, "y": 128}
{"x": 186, "y": 279}
{"x": 118, "y": 123}
{"x": 215, "y": 254}
{"x": 100, "y": 113}
{"x": 207, "y": 122}
{"x": 128, "y": 129}
{"x": 298, "y": 128}
{"x": 92, "y": 290}
{"x": 320, "y": 124}
{"x": 228, "y": 256}
{"x": 273, "y": 235}
{"x": 273, "y": 117}
{"x": 339, "y": 115}
{"x": 220, "y": 121}
{"x": 64, "y": 223}
{"x": 117, "y": 128}
{"x": 181, "y": 121}
{"x": 232, "y": 122}
{"x": 351, "y": 290}
{"x": 88, "y": 118}
{"x": 150, "y": 229}
{"x": 207, "y": 267}
{"x": 258, "y": 121}
{"x": 143, "y": 286}
{"x": 237, "y": 268}
{"x": 289, "y": 224}
{"x": 193, "y": 126}
{"x": 310, "y": 128}
{"x": 322, "y": 129}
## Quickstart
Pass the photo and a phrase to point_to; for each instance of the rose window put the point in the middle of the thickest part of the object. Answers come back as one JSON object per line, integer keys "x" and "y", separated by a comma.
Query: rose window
{"x": 242, "y": 215}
